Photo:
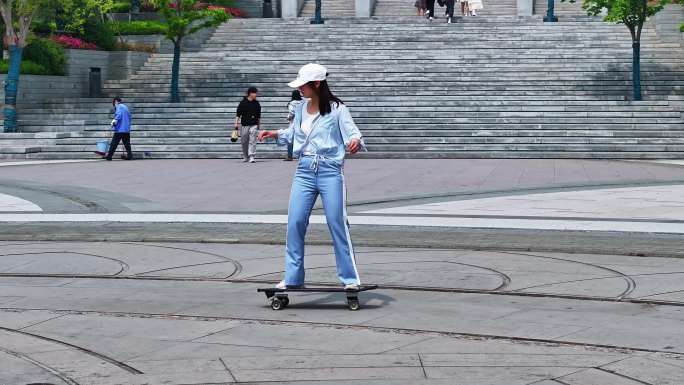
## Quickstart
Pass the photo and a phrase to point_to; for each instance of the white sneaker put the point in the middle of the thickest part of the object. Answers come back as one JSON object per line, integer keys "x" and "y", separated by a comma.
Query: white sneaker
{"x": 351, "y": 286}
{"x": 252, "y": 160}
{"x": 282, "y": 286}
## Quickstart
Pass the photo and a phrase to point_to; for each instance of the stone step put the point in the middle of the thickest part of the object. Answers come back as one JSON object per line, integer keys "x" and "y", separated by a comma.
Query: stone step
{"x": 442, "y": 147}
{"x": 418, "y": 132}
{"x": 498, "y": 154}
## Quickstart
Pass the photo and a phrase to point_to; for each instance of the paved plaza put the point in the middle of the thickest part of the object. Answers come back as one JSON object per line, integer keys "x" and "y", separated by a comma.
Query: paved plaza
{"x": 502, "y": 272}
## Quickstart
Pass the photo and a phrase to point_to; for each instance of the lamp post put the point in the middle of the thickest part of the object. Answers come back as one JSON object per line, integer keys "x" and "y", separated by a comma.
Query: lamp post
{"x": 550, "y": 17}
{"x": 317, "y": 15}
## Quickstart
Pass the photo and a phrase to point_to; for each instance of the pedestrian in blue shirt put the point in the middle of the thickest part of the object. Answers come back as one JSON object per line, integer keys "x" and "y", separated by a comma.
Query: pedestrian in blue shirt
{"x": 121, "y": 125}
{"x": 322, "y": 132}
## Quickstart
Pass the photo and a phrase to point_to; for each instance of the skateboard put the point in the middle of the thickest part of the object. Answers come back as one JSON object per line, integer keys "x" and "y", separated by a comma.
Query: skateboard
{"x": 278, "y": 298}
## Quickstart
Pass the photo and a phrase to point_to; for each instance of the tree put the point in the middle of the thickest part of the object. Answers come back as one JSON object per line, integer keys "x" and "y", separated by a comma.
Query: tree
{"x": 633, "y": 14}
{"x": 82, "y": 12}
{"x": 17, "y": 16}
{"x": 183, "y": 18}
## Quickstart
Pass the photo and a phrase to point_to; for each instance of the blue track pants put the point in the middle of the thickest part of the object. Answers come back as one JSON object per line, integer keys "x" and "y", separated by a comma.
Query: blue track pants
{"x": 316, "y": 175}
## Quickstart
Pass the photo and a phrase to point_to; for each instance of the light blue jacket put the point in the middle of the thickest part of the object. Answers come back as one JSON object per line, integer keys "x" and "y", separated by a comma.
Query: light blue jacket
{"x": 123, "y": 119}
{"x": 329, "y": 136}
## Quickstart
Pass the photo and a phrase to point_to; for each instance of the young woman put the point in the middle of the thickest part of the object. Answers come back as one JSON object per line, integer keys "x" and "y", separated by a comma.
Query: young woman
{"x": 295, "y": 101}
{"x": 322, "y": 131}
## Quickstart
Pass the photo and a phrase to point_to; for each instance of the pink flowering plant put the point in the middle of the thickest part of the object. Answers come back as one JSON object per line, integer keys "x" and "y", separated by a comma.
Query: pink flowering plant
{"x": 72, "y": 42}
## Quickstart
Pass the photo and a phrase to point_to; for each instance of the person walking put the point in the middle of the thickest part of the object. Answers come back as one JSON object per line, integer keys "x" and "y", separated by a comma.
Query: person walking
{"x": 474, "y": 6}
{"x": 249, "y": 116}
{"x": 322, "y": 131}
{"x": 430, "y": 12}
{"x": 420, "y": 7}
{"x": 121, "y": 126}
{"x": 295, "y": 101}
{"x": 450, "y": 10}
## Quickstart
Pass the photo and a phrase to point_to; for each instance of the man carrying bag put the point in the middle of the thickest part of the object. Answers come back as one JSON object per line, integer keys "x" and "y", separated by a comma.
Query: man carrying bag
{"x": 121, "y": 126}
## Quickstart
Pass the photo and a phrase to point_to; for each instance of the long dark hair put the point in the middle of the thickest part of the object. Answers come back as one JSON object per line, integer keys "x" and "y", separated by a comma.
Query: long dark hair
{"x": 325, "y": 97}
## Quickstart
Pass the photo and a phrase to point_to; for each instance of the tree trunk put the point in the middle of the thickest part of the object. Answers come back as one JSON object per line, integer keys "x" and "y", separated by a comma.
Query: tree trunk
{"x": 175, "y": 72}
{"x": 636, "y": 69}
{"x": 11, "y": 87}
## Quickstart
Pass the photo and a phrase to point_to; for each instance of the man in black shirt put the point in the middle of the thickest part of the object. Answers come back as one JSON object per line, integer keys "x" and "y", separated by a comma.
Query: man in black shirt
{"x": 249, "y": 114}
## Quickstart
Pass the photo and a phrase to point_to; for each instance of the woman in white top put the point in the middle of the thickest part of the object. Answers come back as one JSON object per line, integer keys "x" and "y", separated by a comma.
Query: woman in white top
{"x": 322, "y": 131}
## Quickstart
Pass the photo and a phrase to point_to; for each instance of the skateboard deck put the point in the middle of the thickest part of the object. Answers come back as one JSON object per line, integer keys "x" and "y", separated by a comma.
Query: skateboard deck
{"x": 278, "y": 298}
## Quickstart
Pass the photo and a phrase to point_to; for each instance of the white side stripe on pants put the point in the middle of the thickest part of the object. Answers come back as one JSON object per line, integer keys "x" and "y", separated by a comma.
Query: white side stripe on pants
{"x": 346, "y": 229}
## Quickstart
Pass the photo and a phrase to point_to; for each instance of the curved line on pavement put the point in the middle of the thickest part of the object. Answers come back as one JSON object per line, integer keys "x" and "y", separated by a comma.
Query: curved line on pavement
{"x": 123, "y": 266}
{"x": 62, "y": 376}
{"x": 236, "y": 264}
{"x": 505, "y": 279}
{"x": 101, "y": 356}
{"x": 631, "y": 284}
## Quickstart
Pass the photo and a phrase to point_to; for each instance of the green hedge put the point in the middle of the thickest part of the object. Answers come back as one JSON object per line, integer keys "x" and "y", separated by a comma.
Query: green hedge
{"x": 47, "y": 54}
{"x": 101, "y": 34}
{"x": 140, "y": 27}
{"x": 27, "y": 68}
{"x": 121, "y": 7}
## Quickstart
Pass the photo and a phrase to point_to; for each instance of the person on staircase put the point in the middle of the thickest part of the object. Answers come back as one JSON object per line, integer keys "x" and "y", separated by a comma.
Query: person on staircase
{"x": 464, "y": 7}
{"x": 249, "y": 116}
{"x": 450, "y": 10}
{"x": 430, "y": 13}
{"x": 420, "y": 7}
{"x": 295, "y": 101}
{"x": 121, "y": 125}
{"x": 474, "y": 6}
{"x": 322, "y": 133}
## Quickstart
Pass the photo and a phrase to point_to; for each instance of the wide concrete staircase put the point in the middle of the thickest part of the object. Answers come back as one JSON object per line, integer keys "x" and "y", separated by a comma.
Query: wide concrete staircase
{"x": 483, "y": 87}
{"x": 329, "y": 8}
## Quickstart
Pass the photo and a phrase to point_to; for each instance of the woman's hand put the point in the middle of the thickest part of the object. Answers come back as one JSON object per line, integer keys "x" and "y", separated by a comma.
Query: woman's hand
{"x": 354, "y": 146}
{"x": 267, "y": 134}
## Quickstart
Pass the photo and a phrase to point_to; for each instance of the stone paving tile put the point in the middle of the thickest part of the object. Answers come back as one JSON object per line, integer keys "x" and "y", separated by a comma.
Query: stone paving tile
{"x": 596, "y": 377}
{"x": 652, "y": 371}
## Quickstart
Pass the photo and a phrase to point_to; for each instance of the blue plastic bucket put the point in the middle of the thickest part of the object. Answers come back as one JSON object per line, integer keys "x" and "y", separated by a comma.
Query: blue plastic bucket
{"x": 102, "y": 146}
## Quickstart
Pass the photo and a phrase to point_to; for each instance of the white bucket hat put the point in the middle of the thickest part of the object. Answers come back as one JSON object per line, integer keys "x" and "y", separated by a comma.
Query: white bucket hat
{"x": 309, "y": 73}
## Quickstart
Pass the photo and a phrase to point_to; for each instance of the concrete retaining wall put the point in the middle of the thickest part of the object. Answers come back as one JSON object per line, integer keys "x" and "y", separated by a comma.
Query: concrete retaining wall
{"x": 114, "y": 65}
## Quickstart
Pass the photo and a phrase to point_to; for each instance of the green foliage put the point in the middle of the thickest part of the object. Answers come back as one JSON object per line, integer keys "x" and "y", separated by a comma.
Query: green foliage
{"x": 681, "y": 28}
{"x": 185, "y": 17}
{"x": 142, "y": 27}
{"x": 27, "y": 68}
{"x": 632, "y": 13}
{"x": 121, "y": 7}
{"x": 47, "y": 54}
{"x": 99, "y": 33}
{"x": 223, "y": 3}
{"x": 82, "y": 14}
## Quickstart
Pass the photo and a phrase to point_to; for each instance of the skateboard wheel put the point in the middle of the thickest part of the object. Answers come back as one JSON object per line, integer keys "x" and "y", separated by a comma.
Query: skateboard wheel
{"x": 353, "y": 304}
{"x": 285, "y": 301}
{"x": 277, "y": 304}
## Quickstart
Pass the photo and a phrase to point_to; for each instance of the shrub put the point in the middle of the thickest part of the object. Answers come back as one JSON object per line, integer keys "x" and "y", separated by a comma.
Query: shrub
{"x": 142, "y": 27}
{"x": 234, "y": 12}
{"x": 27, "y": 68}
{"x": 137, "y": 47}
{"x": 121, "y": 7}
{"x": 100, "y": 34}
{"x": 44, "y": 27}
{"x": 72, "y": 42}
{"x": 46, "y": 53}
{"x": 148, "y": 6}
